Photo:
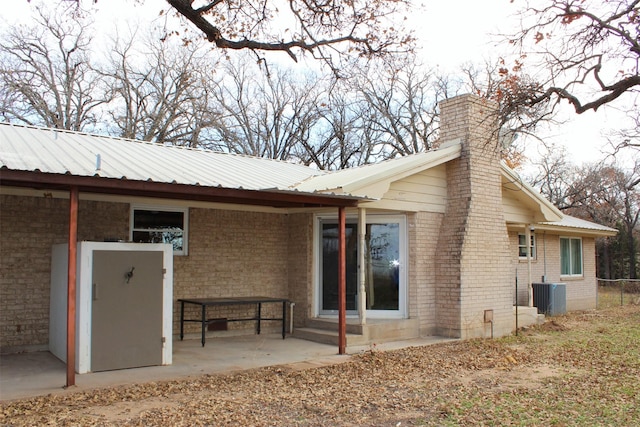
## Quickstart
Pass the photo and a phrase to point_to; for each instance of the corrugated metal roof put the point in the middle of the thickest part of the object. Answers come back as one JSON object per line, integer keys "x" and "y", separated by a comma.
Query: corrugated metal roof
{"x": 27, "y": 148}
{"x": 570, "y": 222}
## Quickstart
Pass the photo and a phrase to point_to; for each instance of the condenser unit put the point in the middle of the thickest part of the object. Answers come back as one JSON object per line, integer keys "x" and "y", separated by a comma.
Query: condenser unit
{"x": 550, "y": 298}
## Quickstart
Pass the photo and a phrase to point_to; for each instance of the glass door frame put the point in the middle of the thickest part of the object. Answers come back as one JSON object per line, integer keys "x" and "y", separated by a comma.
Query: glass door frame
{"x": 352, "y": 218}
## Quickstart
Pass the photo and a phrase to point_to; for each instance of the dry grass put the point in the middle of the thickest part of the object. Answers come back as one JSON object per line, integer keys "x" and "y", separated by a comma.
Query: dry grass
{"x": 576, "y": 370}
{"x": 617, "y": 295}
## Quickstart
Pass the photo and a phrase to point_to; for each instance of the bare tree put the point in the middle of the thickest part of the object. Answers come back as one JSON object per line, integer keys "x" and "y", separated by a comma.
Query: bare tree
{"x": 401, "y": 105}
{"x": 589, "y": 48}
{"x": 385, "y": 109}
{"x": 568, "y": 186}
{"x": 340, "y": 139}
{"x": 161, "y": 91}
{"x": 46, "y": 73}
{"x": 510, "y": 89}
{"x": 515, "y": 117}
{"x": 627, "y": 138}
{"x": 264, "y": 115}
{"x": 615, "y": 200}
{"x": 555, "y": 175}
{"x": 323, "y": 29}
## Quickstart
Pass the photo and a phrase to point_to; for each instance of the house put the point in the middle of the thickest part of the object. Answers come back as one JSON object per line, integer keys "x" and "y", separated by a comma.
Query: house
{"x": 428, "y": 244}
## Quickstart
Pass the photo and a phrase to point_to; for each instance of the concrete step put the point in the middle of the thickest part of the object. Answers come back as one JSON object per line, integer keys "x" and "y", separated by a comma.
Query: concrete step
{"x": 327, "y": 337}
{"x": 374, "y": 331}
{"x": 353, "y": 325}
{"x": 528, "y": 316}
{"x": 393, "y": 330}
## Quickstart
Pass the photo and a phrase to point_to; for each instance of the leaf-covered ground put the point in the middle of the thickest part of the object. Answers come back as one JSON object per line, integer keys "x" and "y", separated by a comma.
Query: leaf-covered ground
{"x": 576, "y": 370}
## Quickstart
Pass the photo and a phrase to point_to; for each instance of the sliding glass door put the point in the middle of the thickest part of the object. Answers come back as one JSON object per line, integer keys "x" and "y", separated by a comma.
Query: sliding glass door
{"x": 329, "y": 267}
{"x": 383, "y": 269}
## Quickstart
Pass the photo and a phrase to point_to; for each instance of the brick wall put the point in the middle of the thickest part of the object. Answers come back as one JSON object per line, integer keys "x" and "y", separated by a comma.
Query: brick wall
{"x": 423, "y": 229}
{"x": 29, "y": 226}
{"x": 300, "y": 265}
{"x": 581, "y": 291}
{"x": 230, "y": 254}
{"x": 473, "y": 262}
{"x": 582, "y": 294}
{"x": 233, "y": 253}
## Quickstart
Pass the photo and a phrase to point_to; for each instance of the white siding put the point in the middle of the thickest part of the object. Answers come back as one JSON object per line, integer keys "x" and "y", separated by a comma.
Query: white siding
{"x": 514, "y": 209}
{"x": 425, "y": 191}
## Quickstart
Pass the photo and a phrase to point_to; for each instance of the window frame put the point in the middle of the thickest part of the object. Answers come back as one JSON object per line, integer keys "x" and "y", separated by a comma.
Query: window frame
{"x": 163, "y": 208}
{"x": 571, "y": 260}
{"x": 534, "y": 251}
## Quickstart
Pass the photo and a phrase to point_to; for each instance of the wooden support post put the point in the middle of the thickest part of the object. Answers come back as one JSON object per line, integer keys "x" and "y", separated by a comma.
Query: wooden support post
{"x": 362, "y": 262}
{"x": 342, "y": 282}
{"x": 71, "y": 286}
{"x": 527, "y": 236}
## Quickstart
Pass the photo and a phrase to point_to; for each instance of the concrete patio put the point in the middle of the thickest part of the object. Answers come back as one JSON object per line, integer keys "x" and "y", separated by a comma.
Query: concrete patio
{"x": 40, "y": 373}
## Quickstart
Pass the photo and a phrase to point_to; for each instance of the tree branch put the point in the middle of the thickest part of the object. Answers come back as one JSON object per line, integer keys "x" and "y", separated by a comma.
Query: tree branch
{"x": 214, "y": 34}
{"x": 615, "y": 91}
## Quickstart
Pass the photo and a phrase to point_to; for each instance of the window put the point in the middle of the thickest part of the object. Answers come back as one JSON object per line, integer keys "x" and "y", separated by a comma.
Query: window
{"x": 160, "y": 225}
{"x": 522, "y": 246}
{"x": 570, "y": 256}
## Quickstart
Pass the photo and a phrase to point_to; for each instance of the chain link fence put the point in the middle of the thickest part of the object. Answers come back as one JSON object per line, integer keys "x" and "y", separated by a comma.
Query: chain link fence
{"x": 618, "y": 292}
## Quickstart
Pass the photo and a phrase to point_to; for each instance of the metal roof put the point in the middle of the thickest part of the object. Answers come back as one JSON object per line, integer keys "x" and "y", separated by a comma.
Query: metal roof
{"x": 580, "y": 225}
{"x": 361, "y": 180}
{"x": 55, "y": 151}
{"x": 63, "y": 153}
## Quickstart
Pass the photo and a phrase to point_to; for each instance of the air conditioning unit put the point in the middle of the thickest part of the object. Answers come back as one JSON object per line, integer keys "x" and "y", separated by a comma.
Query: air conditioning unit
{"x": 550, "y": 298}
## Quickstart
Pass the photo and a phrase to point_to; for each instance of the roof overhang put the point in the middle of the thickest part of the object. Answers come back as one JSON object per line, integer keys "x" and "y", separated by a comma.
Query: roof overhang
{"x": 568, "y": 230}
{"x": 544, "y": 209}
{"x": 372, "y": 181}
{"x": 267, "y": 197}
{"x": 382, "y": 181}
{"x": 594, "y": 230}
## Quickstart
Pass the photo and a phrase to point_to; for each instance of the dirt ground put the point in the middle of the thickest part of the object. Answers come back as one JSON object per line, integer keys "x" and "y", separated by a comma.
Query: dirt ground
{"x": 508, "y": 381}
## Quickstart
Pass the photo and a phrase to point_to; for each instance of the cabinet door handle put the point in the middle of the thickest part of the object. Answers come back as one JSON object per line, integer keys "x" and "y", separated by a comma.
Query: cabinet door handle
{"x": 95, "y": 291}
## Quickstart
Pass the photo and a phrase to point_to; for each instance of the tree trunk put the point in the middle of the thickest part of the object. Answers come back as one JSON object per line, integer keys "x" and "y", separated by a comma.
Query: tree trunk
{"x": 631, "y": 242}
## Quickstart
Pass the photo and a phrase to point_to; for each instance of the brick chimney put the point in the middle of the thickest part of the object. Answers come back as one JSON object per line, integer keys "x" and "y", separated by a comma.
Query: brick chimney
{"x": 473, "y": 276}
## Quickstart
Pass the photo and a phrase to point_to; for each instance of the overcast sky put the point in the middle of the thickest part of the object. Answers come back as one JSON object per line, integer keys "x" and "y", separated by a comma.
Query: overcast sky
{"x": 451, "y": 34}
{"x": 470, "y": 32}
